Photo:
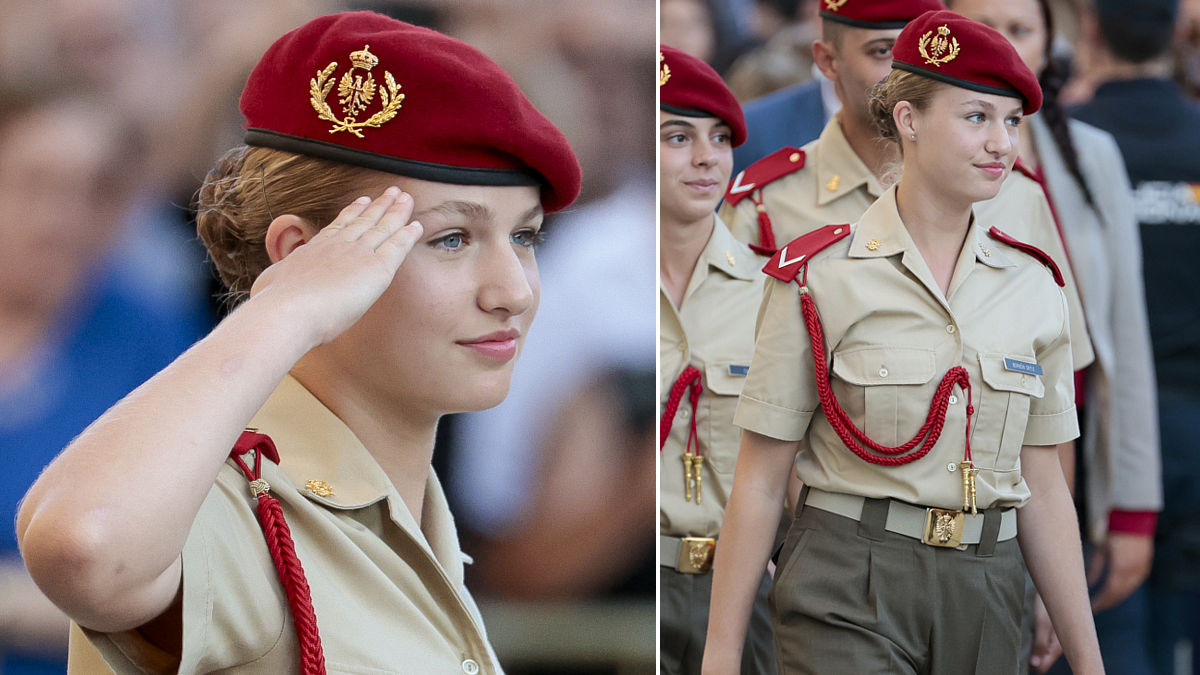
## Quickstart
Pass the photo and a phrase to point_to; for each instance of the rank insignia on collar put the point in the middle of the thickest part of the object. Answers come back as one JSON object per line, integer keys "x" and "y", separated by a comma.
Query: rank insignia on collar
{"x": 355, "y": 93}
{"x": 938, "y": 50}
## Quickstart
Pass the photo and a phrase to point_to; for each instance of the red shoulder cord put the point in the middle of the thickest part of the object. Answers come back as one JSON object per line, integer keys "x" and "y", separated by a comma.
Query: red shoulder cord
{"x": 766, "y": 233}
{"x": 283, "y": 550}
{"x": 689, "y": 378}
{"x": 850, "y": 434}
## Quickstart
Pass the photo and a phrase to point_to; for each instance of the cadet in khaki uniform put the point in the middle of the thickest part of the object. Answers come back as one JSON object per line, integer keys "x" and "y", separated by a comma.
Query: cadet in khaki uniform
{"x": 836, "y": 177}
{"x": 942, "y": 378}
{"x": 709, "y": 291}
{"x": 322, "y": 542}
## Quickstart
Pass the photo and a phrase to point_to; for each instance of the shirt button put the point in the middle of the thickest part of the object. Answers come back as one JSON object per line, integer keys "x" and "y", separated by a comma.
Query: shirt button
{"x": 470, "y": 667}
{"x": 950, "y": 329}
{"x": 953, "y": 399}
{"x": 683, "y": 412}
{"x": 952, "y": 467}
{"x": 883, "y": 372}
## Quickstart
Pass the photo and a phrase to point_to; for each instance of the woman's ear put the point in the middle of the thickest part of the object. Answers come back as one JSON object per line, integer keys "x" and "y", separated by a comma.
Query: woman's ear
{"x": 904, "y": 115}
{"x": 285, "y": 234}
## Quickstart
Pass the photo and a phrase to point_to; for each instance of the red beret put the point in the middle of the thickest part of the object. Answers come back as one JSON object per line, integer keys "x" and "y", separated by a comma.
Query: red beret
{"x": 877, "y": 14}
{"x": 954, "y": 49}
{"x": 690, "y": 87}
{"x": 365, "y": 89}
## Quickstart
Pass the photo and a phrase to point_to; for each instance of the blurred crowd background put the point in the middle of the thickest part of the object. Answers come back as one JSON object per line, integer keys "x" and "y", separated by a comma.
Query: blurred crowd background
{"x": 111, "y": 113}
{"x": 761, "y": 46}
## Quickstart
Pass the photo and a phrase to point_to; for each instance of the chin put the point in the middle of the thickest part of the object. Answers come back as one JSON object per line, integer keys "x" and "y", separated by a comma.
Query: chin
{"x": 482, "y": 394}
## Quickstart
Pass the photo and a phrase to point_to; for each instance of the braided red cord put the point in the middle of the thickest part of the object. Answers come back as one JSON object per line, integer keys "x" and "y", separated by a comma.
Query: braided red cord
{"x": 766, "y": 234}
{"x": 283, "y": 553}
{"x": 852, "y": 436}
{"x": 689, "y": 378}
{"x": 295, "y": 585}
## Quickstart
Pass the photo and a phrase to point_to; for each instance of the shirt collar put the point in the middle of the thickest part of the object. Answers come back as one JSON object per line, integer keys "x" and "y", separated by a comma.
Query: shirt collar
{"x": 318, "y": 450}
{"x": 839, "y": 169}
{"x": 729, "y": 255}
{"x": 881, "y": 233}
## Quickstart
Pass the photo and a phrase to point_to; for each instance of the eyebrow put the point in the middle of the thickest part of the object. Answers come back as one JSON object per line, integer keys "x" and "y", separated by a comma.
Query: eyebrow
{"x": 988, "y": 105}
{"x": 474, "y": 211}
{"x": 676, "y": 122}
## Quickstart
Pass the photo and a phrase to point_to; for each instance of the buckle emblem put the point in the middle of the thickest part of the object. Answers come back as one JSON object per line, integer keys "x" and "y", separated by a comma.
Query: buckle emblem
{"x": 943, "y": 527}
{"x": 696, "y": 555}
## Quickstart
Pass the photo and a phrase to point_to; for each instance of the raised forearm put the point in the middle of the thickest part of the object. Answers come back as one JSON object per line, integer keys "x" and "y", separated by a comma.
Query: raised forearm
{"x": 103, "y": 527}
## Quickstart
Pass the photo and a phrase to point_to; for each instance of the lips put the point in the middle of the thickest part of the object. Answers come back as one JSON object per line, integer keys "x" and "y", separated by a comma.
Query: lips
{"x": 499, "y": 346}
{"x": 995, "y": 169}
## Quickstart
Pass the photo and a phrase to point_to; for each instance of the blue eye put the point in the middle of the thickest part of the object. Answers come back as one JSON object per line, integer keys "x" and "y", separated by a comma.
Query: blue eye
{"x": 528, "y": 238}
{"x": 451, "y": 242}
{"x": 1015, "y": 121}
{"x": 975, "y": 117}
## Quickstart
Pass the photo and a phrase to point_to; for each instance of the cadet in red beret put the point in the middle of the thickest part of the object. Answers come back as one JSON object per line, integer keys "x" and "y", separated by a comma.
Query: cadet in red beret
{"x": 377, "y": 232}
{"x": 709, "y": 290}
{"x": 915, "y": 371}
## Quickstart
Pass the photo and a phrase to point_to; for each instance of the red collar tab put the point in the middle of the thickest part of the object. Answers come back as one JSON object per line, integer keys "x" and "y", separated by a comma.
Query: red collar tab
{"x": 787, "y": 262}
{"x": 770, "y": 168}
{"x": 252, "y": 440}
{"x": 1032, "y": 250}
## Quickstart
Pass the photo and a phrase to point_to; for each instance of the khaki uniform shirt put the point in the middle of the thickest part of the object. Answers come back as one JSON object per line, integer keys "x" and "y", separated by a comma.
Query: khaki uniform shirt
{"x": 713, "y": 331}
{"x": 388, "y": 593}
{"x": 835, "y": 187}
{"x": 891, "y": 338}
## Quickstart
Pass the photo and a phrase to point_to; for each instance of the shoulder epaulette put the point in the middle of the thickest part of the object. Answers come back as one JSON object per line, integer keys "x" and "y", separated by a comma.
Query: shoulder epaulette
{"x": 1032, "y": 250}
{"x": 770, "y": 168}
{"x": 787, "y": 261}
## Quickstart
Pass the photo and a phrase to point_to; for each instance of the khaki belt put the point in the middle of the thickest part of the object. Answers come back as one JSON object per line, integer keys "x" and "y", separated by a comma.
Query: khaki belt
{"x": 936, "y": 527}
{"x": 687, "y": 555}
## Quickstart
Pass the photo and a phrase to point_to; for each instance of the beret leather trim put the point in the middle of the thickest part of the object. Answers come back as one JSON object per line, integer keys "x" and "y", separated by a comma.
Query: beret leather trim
{"x": 686, "y": 112}
{"x": 440, "y": 173}
{"x": 863, "y": 23}
{"x": 958, "y": 82}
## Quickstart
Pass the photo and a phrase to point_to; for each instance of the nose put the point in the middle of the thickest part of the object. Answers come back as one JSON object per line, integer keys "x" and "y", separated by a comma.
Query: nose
{"x": 1001, "y": 140}
{"x": 704, "y": 153}
{"x": 507, "y": 281}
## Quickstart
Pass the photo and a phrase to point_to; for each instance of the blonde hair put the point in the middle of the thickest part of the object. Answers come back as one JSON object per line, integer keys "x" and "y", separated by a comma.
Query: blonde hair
{"x": 251, "y": 186}
{"x": 899, "y": 85}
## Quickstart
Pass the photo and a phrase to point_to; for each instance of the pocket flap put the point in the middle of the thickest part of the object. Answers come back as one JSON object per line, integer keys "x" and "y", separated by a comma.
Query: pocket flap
{"x": 1002, "y": 379}
{"x": 726, "y": 378}
{"x": 884, "y": 365}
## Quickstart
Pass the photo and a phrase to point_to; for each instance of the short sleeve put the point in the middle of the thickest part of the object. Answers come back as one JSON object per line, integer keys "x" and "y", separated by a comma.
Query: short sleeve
{"x": 780, "y": 394}
{"x": 1052, "y": 418}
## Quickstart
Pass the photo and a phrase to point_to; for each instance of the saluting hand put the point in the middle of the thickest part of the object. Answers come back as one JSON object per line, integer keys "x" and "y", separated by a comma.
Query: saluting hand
{"x": 330, "y": 279}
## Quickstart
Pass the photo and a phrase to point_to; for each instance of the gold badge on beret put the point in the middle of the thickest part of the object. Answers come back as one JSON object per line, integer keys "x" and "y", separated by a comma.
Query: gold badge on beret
{"x": 939, "y": 50}
{"x": 664, "y": 71}
{"x": 355, "y": 93}
{"x": 834, "y": 5}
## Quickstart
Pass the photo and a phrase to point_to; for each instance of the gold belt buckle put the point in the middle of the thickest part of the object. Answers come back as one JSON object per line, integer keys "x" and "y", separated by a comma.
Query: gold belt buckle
{"x": 696, "y": 555}
{"x": 943, "y": 527}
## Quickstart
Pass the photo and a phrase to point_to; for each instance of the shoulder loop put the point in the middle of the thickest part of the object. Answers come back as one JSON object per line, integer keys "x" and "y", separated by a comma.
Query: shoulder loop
{"x": 788, "y": 261}
{"x": 1032, "y": 250}
{"x": 770, "y": 168}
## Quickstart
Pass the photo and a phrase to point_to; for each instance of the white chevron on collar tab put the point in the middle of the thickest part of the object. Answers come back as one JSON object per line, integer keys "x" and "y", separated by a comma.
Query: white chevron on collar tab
{"x": 737, "y": 187}
{"x": 783, "y": 259}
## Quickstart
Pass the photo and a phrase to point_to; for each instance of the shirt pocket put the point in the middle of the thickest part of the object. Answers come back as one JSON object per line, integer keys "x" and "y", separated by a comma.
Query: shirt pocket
{"x": 724, "y": 381}
{"x": 1003, "y": 411}
{"x": 883, "y": 389}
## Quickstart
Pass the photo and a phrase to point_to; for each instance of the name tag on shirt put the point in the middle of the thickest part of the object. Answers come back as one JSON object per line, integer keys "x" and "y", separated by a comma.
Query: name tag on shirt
{"x": 1022, "y": 367}
{"x": 738, "y": 371}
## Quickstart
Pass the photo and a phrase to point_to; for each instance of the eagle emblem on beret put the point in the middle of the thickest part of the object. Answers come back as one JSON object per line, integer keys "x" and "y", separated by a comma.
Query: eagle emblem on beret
{"x": 834, "y": 5}
{"x": 355, "y": 93}
{"x": 664, "y": 71}
{"x": 938, "y": 49}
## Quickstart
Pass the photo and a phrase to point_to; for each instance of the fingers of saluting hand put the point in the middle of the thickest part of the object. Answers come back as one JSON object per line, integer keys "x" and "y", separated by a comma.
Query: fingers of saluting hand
{"x": 377, "y": 220}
